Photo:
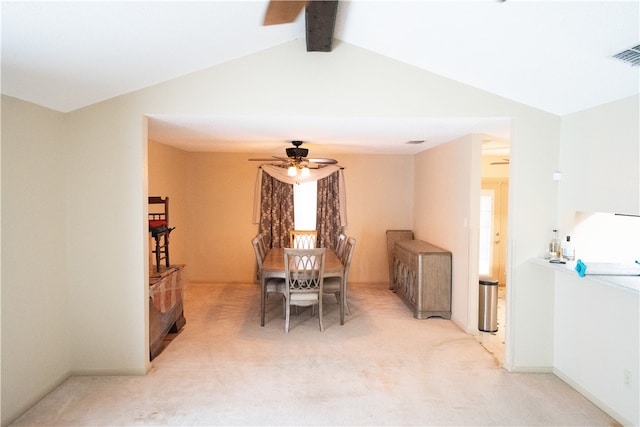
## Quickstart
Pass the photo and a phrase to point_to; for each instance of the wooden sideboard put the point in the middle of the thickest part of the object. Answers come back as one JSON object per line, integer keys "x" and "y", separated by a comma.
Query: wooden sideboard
{"x": 166, "y": 312}
{"x": 422, "y": 278}
{"x": 392, "y": 237}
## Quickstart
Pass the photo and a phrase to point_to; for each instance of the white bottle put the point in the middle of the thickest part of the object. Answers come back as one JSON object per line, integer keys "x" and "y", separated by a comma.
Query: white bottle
{"x": 554, "y": 245}
{"x": 568, "y": 252}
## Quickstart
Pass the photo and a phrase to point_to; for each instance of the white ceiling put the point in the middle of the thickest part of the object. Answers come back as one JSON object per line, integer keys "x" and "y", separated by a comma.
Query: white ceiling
{"x": 552, "y": 55}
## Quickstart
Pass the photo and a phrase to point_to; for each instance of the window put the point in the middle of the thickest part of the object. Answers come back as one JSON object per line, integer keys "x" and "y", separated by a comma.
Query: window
{"x": 305, "y": 201}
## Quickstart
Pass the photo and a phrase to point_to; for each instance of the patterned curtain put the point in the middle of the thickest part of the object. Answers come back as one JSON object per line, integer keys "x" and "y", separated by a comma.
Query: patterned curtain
{"x": 276, "y": 211}
{"x": 328, "y": 217}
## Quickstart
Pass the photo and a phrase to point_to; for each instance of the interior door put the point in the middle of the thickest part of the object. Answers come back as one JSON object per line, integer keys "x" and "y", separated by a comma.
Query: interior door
{"x": 495, "y": 191}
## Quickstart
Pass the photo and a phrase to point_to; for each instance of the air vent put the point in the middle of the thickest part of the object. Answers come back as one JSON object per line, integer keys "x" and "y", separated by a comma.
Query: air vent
{"x": 415, "y": 141}
{"x": 630, "y": 56}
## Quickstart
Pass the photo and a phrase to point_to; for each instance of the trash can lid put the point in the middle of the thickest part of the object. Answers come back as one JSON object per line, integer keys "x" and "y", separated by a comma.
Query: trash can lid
{"x": 488, "y": 280}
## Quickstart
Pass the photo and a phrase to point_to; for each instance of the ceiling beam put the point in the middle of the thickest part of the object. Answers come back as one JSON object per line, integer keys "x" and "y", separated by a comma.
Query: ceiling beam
{"x": 320, "y": 20}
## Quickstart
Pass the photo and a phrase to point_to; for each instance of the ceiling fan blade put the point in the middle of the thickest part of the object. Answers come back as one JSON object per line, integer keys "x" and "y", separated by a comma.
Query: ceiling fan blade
{"x": 283, "y": 11}
{"x": 270, "y": 159}
{"x": 323, "y": 161}
{"x": 503, "y": 162}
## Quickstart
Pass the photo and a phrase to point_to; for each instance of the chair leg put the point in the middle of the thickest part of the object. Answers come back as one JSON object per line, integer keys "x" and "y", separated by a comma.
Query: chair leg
{"x": 287, "y": 316}
{"x": 166, "y": 249}
{"x": 346, "y": 303}
{"x": 320, "y": 313}
{"x": 157, "y": 253}
{"x": 284, "y": 307}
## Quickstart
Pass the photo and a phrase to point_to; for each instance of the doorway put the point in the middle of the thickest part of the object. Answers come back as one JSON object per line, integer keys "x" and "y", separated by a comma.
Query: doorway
{"x": 492, "y": 253}
{"x": 493, "y": 228}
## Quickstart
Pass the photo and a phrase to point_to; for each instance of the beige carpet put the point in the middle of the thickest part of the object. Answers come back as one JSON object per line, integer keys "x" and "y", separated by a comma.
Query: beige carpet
{"x": 381, "y": 368}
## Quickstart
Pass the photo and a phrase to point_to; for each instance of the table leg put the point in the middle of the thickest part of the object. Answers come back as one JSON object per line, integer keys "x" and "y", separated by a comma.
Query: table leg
{"x": 262, "y": 298}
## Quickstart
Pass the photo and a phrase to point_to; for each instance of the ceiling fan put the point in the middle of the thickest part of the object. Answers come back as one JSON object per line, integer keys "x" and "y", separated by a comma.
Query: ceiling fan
{"x": 297, "y": 159}
{"x": 320, "y": 19}
{"x": 503, "y": 162}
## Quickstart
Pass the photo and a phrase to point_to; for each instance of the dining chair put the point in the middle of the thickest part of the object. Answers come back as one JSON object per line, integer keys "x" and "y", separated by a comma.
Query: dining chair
{"x": 332, "y": 285}
{"x": 304, "y": 274}
{"x": 303, "y": 239}
{"x": 342, "y": 239}
{"x": 273, "y": 285}
{"x": 159, "y": 228}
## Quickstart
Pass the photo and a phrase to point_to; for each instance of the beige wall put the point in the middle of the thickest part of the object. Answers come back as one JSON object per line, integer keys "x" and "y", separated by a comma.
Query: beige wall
{"x": 36, "y": 352}
{"x": 214, "y": 221}
{"x": 220, "y": 200}
{"x": 168, "y": 177}
{"x": 447, "y": 206}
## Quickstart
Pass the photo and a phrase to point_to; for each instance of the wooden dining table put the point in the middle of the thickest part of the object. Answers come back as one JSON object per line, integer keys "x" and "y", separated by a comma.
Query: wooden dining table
{"x": 273, "y": 267}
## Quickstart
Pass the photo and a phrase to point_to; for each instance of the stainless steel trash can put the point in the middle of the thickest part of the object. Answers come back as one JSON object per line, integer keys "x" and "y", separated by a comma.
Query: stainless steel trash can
{"x": 488, "y": 304}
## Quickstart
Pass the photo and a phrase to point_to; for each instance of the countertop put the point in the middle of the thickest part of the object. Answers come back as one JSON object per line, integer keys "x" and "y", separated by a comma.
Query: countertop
{"x": 628, "y": 283}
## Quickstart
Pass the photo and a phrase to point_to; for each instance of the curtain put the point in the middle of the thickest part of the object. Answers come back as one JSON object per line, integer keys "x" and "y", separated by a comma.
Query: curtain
{"x": 328, "y": 218}
{"x": 276, "y": 211}
{"x": 273, "y": 204}
{"x": 280, "y": 174}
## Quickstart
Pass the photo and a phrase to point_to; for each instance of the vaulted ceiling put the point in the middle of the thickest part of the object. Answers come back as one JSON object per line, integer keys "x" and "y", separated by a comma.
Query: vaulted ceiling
{"x": 552, "y": 55}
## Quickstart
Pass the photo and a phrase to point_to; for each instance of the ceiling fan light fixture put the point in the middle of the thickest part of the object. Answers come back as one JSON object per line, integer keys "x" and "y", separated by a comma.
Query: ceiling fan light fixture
{"x": 292, "y": 171}
{"x": 305, "y": 172}
{"x": 296, "y": 152}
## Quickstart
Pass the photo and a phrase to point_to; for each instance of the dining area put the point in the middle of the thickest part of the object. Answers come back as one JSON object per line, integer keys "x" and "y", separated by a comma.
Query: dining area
{"x": 302, "y": 274}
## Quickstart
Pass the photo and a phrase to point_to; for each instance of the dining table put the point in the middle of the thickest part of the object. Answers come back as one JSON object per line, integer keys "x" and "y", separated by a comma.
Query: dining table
{"x": 273, "y": 267}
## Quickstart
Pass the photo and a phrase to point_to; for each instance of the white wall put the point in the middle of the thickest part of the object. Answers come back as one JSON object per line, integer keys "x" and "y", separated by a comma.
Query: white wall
{"x": 600, "y": 165}
{"x": 35, "y": 323}
{"x": 599, "y": 160}
{"x": 597, "y": 332}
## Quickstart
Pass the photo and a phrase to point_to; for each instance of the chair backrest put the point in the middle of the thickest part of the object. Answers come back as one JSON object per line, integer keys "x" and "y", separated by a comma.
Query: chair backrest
{"x": 158, "y": 212}
{"x": 303, "y": 239}
{"x": 304, "y": 270}
{"x": 342, "y": 239}
{"x": 262, "y": 244}
{"x": 255, "y": 242}
{"x": 347, "y": 254}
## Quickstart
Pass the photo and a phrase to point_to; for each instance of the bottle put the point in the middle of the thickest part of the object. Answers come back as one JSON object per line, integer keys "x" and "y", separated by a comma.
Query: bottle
{"x": 568, "y": 252}
{"x": 554, "y": 245}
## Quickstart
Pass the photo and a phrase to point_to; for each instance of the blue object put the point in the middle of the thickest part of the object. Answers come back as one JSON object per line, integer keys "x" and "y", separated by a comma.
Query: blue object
{"x": 581, "y": 268}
